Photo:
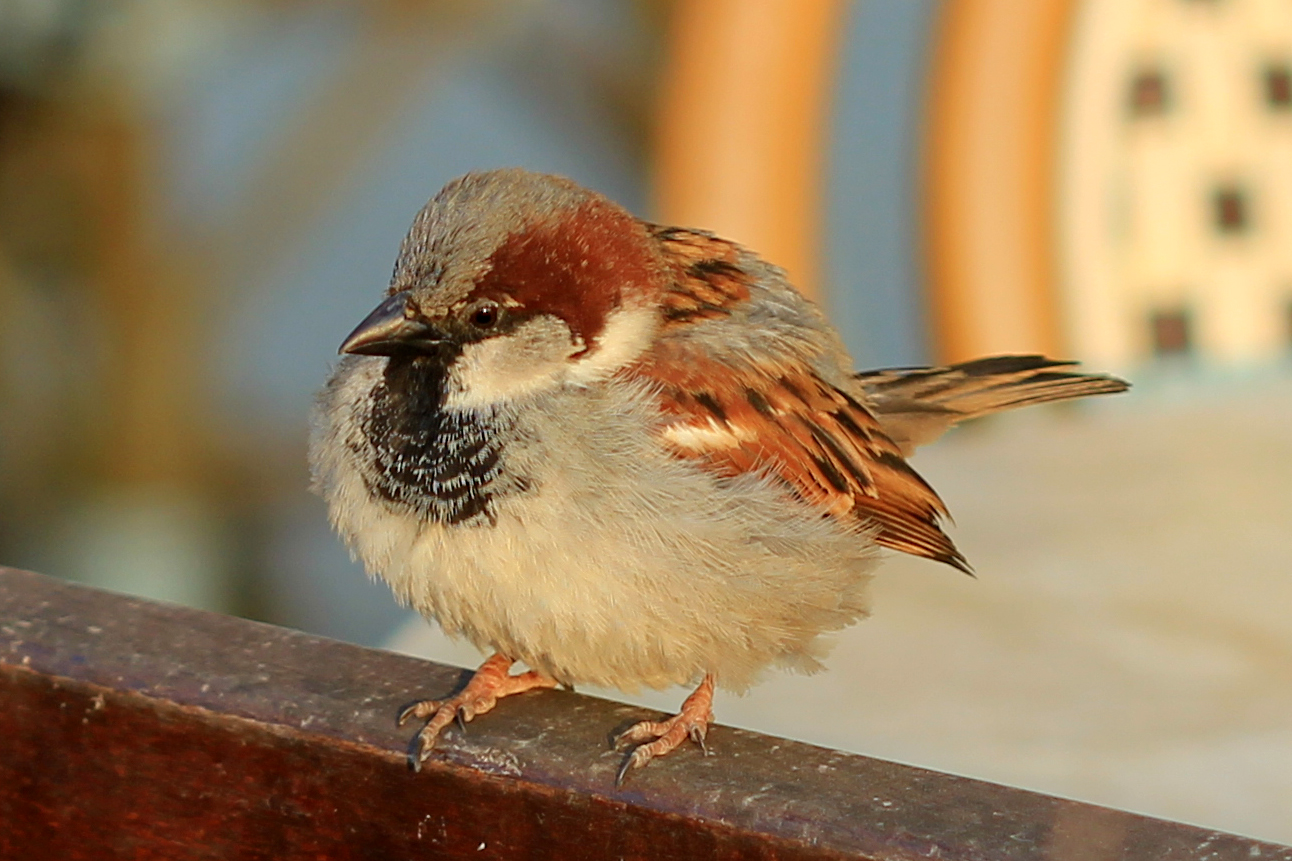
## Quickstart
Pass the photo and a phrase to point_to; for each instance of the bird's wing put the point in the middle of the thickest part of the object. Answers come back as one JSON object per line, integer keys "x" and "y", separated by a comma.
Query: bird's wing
{"x": 775, "y": 415}
{"x": 708, "y": 280}
{"x": 917, "y": 405}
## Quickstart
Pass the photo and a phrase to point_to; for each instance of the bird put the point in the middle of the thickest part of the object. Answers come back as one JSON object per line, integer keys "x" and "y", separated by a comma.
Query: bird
{"x": 626, "y": 454}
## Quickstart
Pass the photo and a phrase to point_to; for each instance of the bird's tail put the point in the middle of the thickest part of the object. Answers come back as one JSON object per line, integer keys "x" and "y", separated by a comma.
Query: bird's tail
{"x": 917, "y": 405}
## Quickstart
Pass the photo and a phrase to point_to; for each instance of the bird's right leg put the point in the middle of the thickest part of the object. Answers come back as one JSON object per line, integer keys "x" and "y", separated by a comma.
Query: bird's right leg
{"x": 491, "y": 682}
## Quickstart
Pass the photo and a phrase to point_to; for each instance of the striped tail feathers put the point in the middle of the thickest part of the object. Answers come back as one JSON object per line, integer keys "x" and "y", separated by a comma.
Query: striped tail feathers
{"x": 915, "y": 406}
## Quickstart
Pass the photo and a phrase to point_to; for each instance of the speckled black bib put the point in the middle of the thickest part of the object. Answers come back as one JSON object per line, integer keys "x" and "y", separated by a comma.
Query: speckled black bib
{"x": 443, "y": 464}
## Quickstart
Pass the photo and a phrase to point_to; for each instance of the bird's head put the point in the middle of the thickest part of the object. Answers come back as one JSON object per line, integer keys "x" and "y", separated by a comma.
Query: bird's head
{"x": 518, "y": 282}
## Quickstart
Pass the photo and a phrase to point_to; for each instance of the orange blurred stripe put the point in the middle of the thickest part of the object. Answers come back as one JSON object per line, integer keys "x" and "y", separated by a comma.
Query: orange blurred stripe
{"x": 990, "y": 161}
{"x": 743, "y": 124}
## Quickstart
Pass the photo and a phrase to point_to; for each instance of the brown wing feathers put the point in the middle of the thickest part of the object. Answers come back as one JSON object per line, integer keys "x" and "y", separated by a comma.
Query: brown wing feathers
{"x": 824, "y": 445}
{"x": 707, "y": 279}
{"x": 780, "y": 418}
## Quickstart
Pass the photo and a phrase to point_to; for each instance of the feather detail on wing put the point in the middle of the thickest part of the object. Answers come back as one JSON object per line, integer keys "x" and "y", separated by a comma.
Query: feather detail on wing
{"x": 783, "y": 420}
{"x": 707, "y": 278}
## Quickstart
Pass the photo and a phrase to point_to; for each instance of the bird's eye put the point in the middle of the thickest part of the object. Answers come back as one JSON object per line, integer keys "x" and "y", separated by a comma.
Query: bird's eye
{"x": 485, "y": 316}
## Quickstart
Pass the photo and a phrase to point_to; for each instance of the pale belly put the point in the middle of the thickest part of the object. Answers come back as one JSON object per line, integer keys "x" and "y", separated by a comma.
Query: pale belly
{"x": 660, "y": 594}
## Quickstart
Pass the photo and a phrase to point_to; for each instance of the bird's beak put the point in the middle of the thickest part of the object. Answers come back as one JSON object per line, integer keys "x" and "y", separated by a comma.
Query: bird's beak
{"x": 393, "y": 328}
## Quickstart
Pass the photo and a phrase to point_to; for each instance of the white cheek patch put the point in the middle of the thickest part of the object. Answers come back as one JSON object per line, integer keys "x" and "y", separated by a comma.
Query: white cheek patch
{"x": 532, "y": 358}
{"x": 540, "y": 355}
{"x": 628, "y": 332}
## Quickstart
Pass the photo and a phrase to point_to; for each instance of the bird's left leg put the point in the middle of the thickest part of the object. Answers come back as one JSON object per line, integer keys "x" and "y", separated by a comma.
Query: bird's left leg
{"x": 491, "y": 682}
{"x": 656, "y": 738}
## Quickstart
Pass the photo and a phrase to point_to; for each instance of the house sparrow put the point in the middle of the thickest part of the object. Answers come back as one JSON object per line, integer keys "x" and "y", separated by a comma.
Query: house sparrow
{"x": 626, "y": 454}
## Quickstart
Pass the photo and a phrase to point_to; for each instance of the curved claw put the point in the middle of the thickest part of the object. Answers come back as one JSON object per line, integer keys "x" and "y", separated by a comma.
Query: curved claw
{"x": 417, "y": 752}
{"x": 643, "y": 732}
{"x": 636, "y": 759}
{"x": 698, "y": 734}
{"x": 421, "y": 708}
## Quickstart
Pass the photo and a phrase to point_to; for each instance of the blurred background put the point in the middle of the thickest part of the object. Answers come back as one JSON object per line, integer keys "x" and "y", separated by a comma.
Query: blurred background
{"x": 198, "y": 200}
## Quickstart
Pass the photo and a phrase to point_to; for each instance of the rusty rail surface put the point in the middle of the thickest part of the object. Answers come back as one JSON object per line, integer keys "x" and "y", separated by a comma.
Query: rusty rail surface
{"x": 140, "y": 730}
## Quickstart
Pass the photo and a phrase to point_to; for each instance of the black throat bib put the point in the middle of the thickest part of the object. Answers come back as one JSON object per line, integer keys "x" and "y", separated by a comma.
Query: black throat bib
{"x": 443, "y": 464}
